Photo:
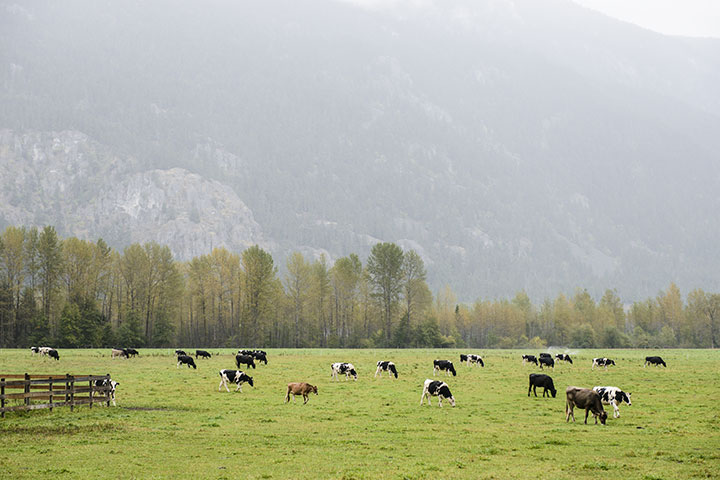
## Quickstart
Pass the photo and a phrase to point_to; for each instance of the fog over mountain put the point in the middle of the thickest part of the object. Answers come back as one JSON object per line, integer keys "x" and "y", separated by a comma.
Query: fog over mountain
{"x": 528, "y": 144}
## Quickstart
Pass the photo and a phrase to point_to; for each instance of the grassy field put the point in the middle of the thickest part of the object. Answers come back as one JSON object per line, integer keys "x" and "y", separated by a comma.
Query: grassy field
{"x": 173, "y": 423}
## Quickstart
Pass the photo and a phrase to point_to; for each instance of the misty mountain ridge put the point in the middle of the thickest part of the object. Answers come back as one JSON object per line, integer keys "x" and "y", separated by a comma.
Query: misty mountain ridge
{"x": 529, "y": 145}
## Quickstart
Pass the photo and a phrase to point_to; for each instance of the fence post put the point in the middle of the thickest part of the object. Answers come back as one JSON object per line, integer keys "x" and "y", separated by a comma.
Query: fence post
{"x": 2, "y": 400}
{"x": 108, "y": 387}
{"x": 27, "y": 389}
{"x": 51, "y": 395}
{"x": 91, "y": 392}
{"x": 67, "y": 388}
{"x": 72, "y": 392}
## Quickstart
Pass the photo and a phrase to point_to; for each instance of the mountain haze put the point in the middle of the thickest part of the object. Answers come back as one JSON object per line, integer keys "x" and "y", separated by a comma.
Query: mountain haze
{"x": 531, "y": 144}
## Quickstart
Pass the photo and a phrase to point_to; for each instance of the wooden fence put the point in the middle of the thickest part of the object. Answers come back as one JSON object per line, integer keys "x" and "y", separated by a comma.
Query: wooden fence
{"x": 52, "y": 391}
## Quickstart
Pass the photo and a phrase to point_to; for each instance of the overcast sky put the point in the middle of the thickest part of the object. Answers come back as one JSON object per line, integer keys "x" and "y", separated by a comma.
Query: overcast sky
{"x": 696, "y": 18}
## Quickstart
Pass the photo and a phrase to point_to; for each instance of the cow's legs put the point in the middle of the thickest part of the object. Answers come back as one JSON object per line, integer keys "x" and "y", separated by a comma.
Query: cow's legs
{"x": 306, "y": 398}
{"x": 616, "y": 409}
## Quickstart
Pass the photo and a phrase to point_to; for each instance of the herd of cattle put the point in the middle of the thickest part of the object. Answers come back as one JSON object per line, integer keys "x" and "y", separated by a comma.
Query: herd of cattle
{"x": 591, "y": 400}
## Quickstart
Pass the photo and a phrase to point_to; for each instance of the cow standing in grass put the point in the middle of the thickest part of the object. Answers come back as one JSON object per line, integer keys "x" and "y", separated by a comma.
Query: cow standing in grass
{"x": 384, "y": 366}
{"x": 657, "y": 361}
{"x": 436, "y": 388}
{"x": 586, "y": 399}
{"x": 202, "y": 353}
{"x": 244, "y": 360}
{"x": 444, "y": 365}
{"x": 602, "y": 362}
{"x": 235, "y": 376}
{"x": 301, "y": 388}
{"x": 613, "y": 396}
{"x": 564, "y": 357}
{"x": 343, "y": 368}
{"x": 541, "y": 380}
{"x": 529, "y": 359}
{"x": 118, "y": 352}
{"x": 186, "y": 360}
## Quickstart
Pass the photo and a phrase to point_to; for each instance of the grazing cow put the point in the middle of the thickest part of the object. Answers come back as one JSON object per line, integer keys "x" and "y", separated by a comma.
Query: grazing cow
{"x": 186, "y": 359}
{"x": 657, "y": 361}
{"x": 437, "y": 388}
{"x": 383, "y": 366}
{"x": 613, "y": 396}
{"x": 111, "y": 392}
{"x": 52, "y": 353}
{"x": 547, "y": 361}
{"x": 463, "y": 358}
{"x": 541, "y": 380}
{"x": 584, "y": 398}
{"x": 564, "y": 357}
{"x": 260, "y": 356}
{"x": 444, "y": 365}
{"x": 202, "y": 353}
{"x": 476, "y": 359}
{"x": 601, "y": 362}
{"x": 131, "y": 352}
{"x": 180, "y": 352}
{"x": 529, "y": 358}
{"x": 244, "y": 360}
{"x": 339, "y": 368}
{"x": 300, "y": 388}
{"x": 117, "y": 352}
{"x": 34, "y": 350}
{"x": 545, "y": 355}
{"x": 45, "y": 350}
{"x": 234, "y": 376}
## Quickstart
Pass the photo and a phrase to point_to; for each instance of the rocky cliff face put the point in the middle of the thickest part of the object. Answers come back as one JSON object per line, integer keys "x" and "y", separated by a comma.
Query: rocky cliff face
{"x": 68, "y": 180}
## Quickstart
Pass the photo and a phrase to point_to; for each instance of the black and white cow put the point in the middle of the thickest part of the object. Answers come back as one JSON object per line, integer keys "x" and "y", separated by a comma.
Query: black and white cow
{"x": 544, "y": 355}
{"x": 564, "y": 357}
{"x": 111, "y": 392}
{"x": 202, "y": 353}
{"x": 436, "y": 388}
{"x": 601, "y": 362}
{"x": 44, "y": 351}
{"x": 613, "y": 396}
{"x": 234, "y": 376}
{"x": 384, "y": 366}
{"x": 529, "y": 359}
{"x": 343, "y": 368}
{"x": 52, "y": 353}
{"x": 180, "y": 352}
{"x": 463, "y": 358}
{"x": 34, "y": 350}
{"x": 541, "y": 380}
{"x": 657, "y": 361}
{"x": 244, "y": 360}
{"x": 476, "y": 359}
{"x": 444, "y": 365}
{"x": 260, "y": 356}
{"x": 186, "y": 360}
{"x": 547, "y": 361}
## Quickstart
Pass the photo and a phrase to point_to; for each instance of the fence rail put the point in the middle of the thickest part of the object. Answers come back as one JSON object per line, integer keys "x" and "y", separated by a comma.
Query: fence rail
{"x": 56, "y": 390}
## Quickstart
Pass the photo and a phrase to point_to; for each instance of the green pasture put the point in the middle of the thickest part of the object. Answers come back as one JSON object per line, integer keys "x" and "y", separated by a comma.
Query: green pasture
{"x": 173, "y": 423}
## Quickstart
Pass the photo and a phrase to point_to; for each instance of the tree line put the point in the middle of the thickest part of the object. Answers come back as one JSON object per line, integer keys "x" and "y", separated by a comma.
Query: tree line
{"x": 76, "y": 293}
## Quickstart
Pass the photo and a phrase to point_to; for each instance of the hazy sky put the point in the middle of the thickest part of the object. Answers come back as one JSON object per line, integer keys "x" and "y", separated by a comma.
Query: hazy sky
{"x": 697, "y": 18}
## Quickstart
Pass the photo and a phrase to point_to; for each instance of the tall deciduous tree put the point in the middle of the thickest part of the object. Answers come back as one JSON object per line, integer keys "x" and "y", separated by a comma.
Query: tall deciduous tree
{"x": 384, "y": 266}
{"x": 260, "y": 285}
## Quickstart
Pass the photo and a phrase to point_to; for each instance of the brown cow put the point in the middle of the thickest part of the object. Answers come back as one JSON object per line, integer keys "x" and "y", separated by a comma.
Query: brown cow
{"x": 587, "y": 399}
{"x": 300, "y": 388}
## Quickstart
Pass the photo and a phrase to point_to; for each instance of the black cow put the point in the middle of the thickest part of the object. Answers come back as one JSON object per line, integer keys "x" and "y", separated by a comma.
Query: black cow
{"x": 463, "y": 358}
{"x": 53, "y": 354}
{"x": 260, "y": 356}
{"x": 547, "y": 361}
{"x": 541, "y": 380}
{"x": 564, "y": 357}
{"x": 657, "y": 361}
{"x": 244, "y": 360}
{"x": 234, "y": 376}
{"x": 187, "y": 360}
{"x": 202, "y": 353}
{"x": 130, "y": 352}
{"x": 601, "y": 362}
{"x": 436, "y": 388}
{"x": 545, "y": 355}
{"x": 444, "y": 365}
{"x": 529, "y": 358}
{"x": 383, "y": 366}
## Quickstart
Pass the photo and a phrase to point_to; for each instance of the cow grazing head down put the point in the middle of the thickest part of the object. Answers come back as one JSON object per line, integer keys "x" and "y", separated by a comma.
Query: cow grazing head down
{"x": 235, "y": 376}
{"x": 613, "y": 396}
{"x": 437, "y": 388}
{"x": 386, "y": 366}
{"x": 348, "y": 369}
{"x": 186, "y": 360}
{"x": 445, "y": 366}
{"x": 54, "y": 354}
{"x": 586, "y": 399}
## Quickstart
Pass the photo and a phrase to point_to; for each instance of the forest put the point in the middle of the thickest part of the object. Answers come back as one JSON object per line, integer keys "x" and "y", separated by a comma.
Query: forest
{"x": 73, "y": 293}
